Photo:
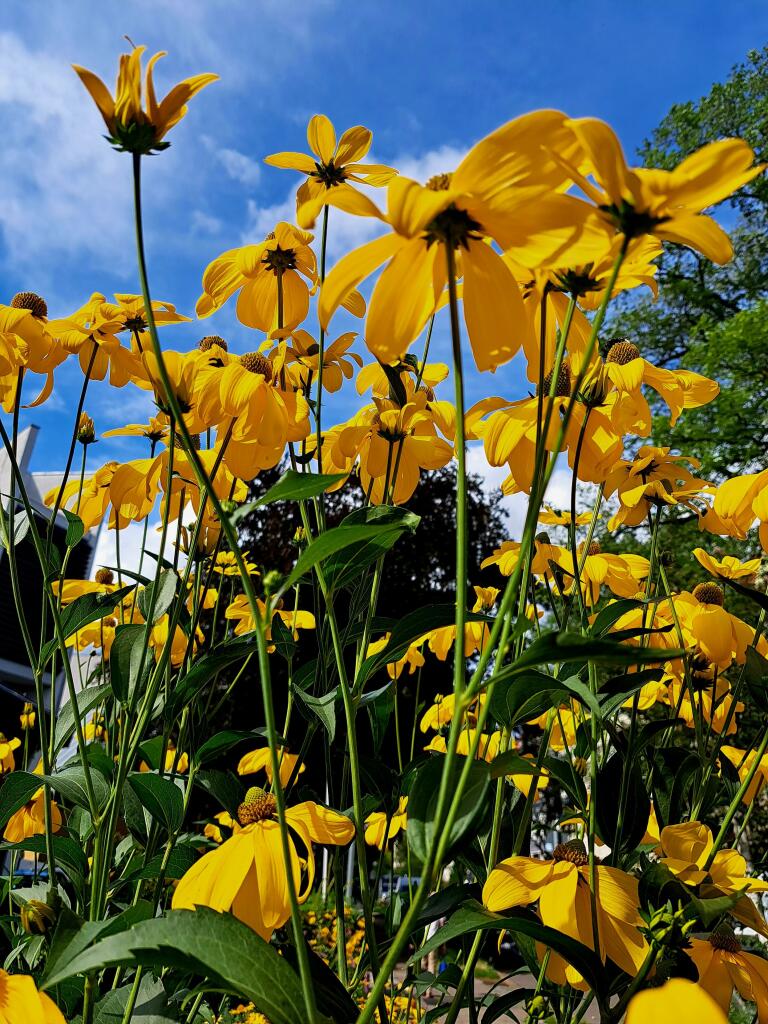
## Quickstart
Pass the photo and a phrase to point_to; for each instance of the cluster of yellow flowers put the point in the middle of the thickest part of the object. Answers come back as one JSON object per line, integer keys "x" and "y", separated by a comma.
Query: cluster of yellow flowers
{"x": 539, "y": 227}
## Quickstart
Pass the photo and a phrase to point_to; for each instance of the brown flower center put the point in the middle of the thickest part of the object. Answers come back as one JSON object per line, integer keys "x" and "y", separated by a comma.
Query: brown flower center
{"x": 593, "y": 549}
{"x": 279, "y": 260}
{"x": 178, "y": 441}
{"x": 573, "y": 851}
{"x": 105, "y": 576}
{"x": 439, "y": 182}
{"x": 723, "y": 938}
{"x": 207, "y": 343}
{"x": 255, "y": 362}
{"x": 36, "y": 305}
{"x": 563, "y": 385}
{"x": 708, "y": 593}
{"x": 622, "y": 352}
{"x": 257, "y": 806}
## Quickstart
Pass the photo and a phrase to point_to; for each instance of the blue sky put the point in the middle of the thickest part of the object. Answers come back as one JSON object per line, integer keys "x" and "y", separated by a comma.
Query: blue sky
{"x": 428, "y": 77}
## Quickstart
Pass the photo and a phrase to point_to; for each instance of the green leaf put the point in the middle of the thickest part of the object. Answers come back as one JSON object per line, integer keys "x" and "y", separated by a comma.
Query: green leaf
{"x": 204, "y": 670}
{"x": 757, "y": 596}
{"x": 223, "y": 741}
{"x": 164, "y": 591}
{"x": 85, "y": 609}
{"x": 70, "y": 856}
{"x": 87, "y": 700}
{"x": 621, "y": 834}
{"x": 756, "y": 676}
{"x": 612, "y": 612}
{"x": 16, "y": 790}
{"x": 70, "y": 783}
{"x": 324, "y": 707}
{"x": 293, "y": 486}
{"x": 224, "y": 787}
{"x": 422, "y": 802}
{"x": 339, "y": 539}
{"x": 512, "y": 763}
{"x": 473, "y": 917}
{"x": 150, "y": 1006}
{"x": 524, "y": 697}
{"x": 125, "y": 659}
{"x": 75, "y": 528}
{"x": 282, "y": 638}
{"x": 558, "y": 648}
{"x": 161, "y": 797}
{"x": 217, "y": 946}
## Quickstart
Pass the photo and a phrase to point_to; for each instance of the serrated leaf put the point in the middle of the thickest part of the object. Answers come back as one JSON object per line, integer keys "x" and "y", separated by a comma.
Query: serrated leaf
{"x": 70, "y": 783}
{"x": 125, "y": 657}
{"x": 87, "y": 700}
{"x": 371, "y": 539}
{"x": 324, "y": 707}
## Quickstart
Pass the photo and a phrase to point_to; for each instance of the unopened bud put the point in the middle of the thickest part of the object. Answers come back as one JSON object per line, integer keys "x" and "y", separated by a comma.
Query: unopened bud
{"x": 86, "y": 432}
{"x": 37, "y": 917}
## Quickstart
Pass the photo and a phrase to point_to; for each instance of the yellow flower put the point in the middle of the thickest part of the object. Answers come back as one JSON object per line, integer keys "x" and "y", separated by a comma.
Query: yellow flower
{"x": 7, "y": 747}
{"x": 254, "y": 270}
{"x": 181, "y": 761}
{"x": 302, "y": 360}
{"x": 132, "y": 128}
{"x": 653, "y": 475}
{"x": 439, "y": 714}
{"x": 561, "y": 886}
{"x": 677, "y": 1000}
{"x": 225, "y": 820}
{"x": 29, "y": 820}
{"x": 392, "y": 445}
{"x": 261, "y": 760}
{"x": 21, "y": 1001}
{"x": 246, "y": 874}
{"x": 728, "y": 567}
{"x": 26, "y": 344}
{"x": 27, "y": 717}
{"x": 329, "y": 170}
{"x": 226, "y": 564}
{"x": 648, "y": 201}
{"x": 723, "y": 966}
{"x": 721, "y": 636}
{"x": 413, "y": 658}
{"x": 239, "y": 611}
{"x": 743, "y": 761}
{"x": 155, "y": 430}
{"x": 504, "y": 189}
{"x": 556, "y": 517}
{"x": 378, "y": 833}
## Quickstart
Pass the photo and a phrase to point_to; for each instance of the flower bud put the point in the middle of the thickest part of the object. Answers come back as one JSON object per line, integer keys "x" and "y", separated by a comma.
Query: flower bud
{"x": 86, "y": 432}
{"x": 37, "y": 917}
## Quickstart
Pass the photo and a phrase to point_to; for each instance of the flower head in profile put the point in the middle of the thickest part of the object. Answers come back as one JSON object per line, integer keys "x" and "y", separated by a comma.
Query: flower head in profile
{"x": 260, "y": 760}
{"x": 724, "y": 966}
{"x": 728, "y": 567}
{"x": 7, "y": 747}
{"x": 246, "y": 873}
{"x": 638, "y": 201}
{"x": 139, "y": 124}
{"x": 331, "y": 168}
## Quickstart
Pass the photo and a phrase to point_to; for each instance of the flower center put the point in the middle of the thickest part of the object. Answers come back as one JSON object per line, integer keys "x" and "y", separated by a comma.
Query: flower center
{"x": 105, "y": 577}
{"x": 453, "y": 227}
{"x": 632, "y": 222}
{"x": 563, "y": 385}
{"x": 593, "y": 549}
{"x": 329, "y": 174}
{"x": 178, "y": 441}
{"x": 206, "y": 344}
{"x": 36, "y": 305}
{"x": 708, "y": 593}
{"x": 573, "y": 851}
{"x": 439, "y": 182}
{"x": 279, "y": 260}
{"x": 723, "y": 938}
{"x": 257, "y": 806}
{"x": 622, "y": 352}
{"x": 255, "y": 362}
{"x": 136, "y": 324}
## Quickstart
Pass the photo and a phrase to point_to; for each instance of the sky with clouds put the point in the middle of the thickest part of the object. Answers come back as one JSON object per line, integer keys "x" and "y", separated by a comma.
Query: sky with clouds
{"x": 429, "y": 78}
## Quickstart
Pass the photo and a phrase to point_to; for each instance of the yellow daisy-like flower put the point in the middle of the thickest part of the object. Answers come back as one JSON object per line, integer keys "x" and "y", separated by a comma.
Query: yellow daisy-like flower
{"x": 561, "y": 887}
{"x": 724, "y": 966}
{"x": 330, "y": 169}
{"x": 21, "y": 1001}
{"x": 131, "y": 127}
{"x": 729, "y": 567}
{"x": 28, "y": 716}
{"x": 378, "y": 832}
{"x": 226, "y": 564}
{"x": 254, "y": 270}
{"x": 155, "y": 430}
{"x": 302, "y": 360}
{"x": 246, "y": 874}
{"x": 647, "y": 201}
{"x": 29, "y": 820}
{"x": 505, "y": 189}
{"x": 7, "y": 747}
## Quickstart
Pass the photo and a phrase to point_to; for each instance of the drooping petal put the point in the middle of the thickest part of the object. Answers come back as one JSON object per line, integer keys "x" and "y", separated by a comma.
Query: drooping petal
{"x": 351, "y": 270}
{"x": 402, "y": 300}
{"x": 493, "y": 307}
{"x": 699, "y": 233}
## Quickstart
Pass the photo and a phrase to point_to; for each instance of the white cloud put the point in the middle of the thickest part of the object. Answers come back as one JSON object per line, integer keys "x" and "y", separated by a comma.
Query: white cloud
{"x": 239, "y": 166}
{"x": 436, "y": 161}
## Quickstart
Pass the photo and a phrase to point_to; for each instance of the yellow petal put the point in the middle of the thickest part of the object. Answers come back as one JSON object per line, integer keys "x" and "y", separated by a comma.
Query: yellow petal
{"x": 351, "y": 270}
{"x": 402, "y": 300}
{"x": 353, "y": 145}
{"x": 321, "y": 137}
{"x": 292, "y": 162}
{"x": 699, "y": 233}
{"x": 677, "y": 1002}
{"x": 493, "y": 307}
{"x": 99, "y": 94}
